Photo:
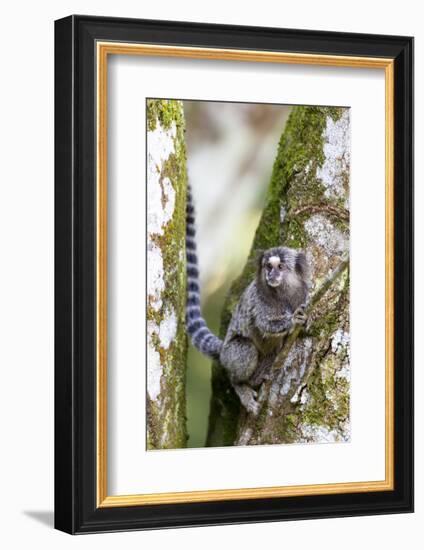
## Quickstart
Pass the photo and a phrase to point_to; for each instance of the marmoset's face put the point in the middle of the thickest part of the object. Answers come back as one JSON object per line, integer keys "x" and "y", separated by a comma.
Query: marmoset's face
{"x": 274, "y": 271}
{"x": 277, "y": 265}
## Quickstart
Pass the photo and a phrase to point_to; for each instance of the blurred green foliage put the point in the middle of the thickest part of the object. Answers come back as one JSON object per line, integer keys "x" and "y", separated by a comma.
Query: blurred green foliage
{"x": 198, "y": 385}
{"x": 244, "y": 138}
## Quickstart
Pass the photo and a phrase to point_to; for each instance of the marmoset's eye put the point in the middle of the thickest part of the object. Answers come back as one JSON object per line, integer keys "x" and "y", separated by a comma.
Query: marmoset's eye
{"x": 280, "y": 266}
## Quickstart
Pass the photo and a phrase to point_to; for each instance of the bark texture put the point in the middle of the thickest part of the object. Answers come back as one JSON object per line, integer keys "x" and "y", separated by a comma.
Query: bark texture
{"x": 166, "y": 279}
{"x": 307, "y": 396}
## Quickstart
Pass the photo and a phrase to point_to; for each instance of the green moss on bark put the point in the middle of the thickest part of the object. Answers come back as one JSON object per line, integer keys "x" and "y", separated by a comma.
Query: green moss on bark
{"x": 166, "y": 419}
{"x": 165, "y": 112}
{"x": 295, "y": 194}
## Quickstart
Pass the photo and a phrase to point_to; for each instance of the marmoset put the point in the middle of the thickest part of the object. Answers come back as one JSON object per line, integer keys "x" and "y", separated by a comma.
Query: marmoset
{"x": 271, "y": 305}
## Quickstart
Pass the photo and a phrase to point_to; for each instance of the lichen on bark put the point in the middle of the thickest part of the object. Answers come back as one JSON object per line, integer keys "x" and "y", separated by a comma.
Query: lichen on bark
{"x": 166, "y": 279}
{"x": 307, "y": 207}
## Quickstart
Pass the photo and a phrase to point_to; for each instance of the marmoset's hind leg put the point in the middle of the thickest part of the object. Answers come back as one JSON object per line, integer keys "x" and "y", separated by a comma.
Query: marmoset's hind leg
{"x": 240, "y": 359}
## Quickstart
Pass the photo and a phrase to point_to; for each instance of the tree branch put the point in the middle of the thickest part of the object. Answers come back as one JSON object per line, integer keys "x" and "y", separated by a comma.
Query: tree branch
{"x": 278, "y": 363}
{"x": 329, "y": 209}
{"x": 314, "y": 299}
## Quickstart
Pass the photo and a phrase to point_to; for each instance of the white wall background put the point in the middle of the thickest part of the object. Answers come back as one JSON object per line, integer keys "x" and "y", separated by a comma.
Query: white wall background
{"x": 26, "y": 274}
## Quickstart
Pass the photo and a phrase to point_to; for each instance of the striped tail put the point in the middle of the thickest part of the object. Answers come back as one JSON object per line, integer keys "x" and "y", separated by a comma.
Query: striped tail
{"x": 201, "y": 337}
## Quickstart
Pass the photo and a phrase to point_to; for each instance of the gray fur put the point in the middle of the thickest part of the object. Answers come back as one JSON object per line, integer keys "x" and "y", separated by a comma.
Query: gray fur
{"x": 267, "y": 310}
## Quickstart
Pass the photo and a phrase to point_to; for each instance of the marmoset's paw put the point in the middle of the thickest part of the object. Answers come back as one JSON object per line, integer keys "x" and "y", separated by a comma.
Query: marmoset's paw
{"x": 299, "y": 316}
{"x": 249, "y": 402}
{"x": 253, "y": 407}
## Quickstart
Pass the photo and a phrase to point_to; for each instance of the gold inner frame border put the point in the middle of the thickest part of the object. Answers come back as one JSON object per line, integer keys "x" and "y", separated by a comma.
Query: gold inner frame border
{"x": 103, "y": 50}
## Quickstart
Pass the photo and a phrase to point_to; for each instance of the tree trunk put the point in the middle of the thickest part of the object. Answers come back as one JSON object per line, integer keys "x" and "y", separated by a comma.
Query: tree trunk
{"x": 306, "y": 398}
{"x": 166, "y": 278}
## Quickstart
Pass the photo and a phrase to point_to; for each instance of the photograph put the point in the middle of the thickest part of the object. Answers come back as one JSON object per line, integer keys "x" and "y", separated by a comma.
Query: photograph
{"x": 248, "y": 299}
{"x": 211, "y": 275}
{"x": 233, "y": 263}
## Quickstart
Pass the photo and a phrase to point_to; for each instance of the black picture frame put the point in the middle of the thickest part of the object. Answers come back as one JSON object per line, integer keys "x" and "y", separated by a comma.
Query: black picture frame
{"x": 76, "y": 510}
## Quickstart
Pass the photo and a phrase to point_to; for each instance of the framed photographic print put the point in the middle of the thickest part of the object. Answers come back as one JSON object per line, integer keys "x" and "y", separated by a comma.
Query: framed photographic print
{"x": 234, "y": 274}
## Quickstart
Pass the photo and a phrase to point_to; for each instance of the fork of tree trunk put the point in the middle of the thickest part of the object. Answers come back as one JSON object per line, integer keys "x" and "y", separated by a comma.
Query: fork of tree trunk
{"x": 305, "y": 397}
